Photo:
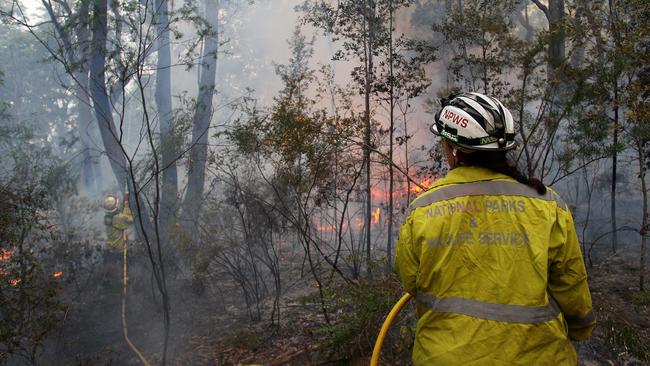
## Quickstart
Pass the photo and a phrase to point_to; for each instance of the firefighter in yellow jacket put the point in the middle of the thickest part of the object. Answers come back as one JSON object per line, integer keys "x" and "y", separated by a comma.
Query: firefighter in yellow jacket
{"x": 118, "y": 219}
{"x": 491, "y": 256}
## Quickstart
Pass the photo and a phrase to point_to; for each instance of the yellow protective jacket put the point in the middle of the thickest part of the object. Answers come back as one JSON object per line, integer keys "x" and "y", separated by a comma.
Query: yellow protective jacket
{"x": 497, "y": 273}
{"x": 115, "y": 228}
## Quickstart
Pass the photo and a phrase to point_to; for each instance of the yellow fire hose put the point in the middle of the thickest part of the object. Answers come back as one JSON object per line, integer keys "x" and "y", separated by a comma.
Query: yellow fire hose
{"x": 124, "y": 327}
{"x": 374, "y": 361}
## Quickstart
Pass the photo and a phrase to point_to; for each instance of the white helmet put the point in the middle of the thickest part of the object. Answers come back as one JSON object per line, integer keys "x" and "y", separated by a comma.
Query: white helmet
{"x": 111, "y": 203}
{"x": 475, "y": 121}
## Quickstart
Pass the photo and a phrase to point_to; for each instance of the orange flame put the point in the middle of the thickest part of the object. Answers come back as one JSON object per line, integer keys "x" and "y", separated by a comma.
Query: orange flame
{"x": 426, "y": 183}
{"x": 57, "y": 274}
{"x": 15, "y": 282}
{"x": 375, "y": 216}
{"x": 326, "y": 228}
{"x": 5, "y": 254}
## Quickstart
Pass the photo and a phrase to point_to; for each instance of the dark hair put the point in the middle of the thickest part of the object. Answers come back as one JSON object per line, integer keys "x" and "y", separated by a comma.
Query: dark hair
{"x": 497, "y": 162}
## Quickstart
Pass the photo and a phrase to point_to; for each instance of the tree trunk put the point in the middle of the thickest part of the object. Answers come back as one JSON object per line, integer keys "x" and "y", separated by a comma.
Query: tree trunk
{"x": 103, "y": 113}
{"x": 78, "y": 66}
{"x": 331, "y": 83}
{"x": 111, "y": 139}
{"x": 202, "y": 117}
{"x": 168, "y": 144}
{"x": 644, "y": 221}
{"x": 578, "y": 39}
{"x": 389, "y": 245}
{"x": 600, "y": 47}
{"x": 89, "y": 169}
{"x": 556, "y": 49}
{"x": 614, "y": 166}
{"x": 370, "y": 14}
{"x": 406, "y": 161}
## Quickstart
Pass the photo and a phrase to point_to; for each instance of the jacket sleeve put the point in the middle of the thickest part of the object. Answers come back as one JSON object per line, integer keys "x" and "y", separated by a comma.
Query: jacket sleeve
{"x": 568, "y": 278}
{"x": 406, "y": 258}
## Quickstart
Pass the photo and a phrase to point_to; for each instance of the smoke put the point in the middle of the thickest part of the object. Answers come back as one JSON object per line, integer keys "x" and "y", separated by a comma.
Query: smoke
{"x": 253, "y": 39}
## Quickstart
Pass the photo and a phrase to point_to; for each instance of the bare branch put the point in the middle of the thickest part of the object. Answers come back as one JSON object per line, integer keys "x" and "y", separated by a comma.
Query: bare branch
{"x": 541, "y": 7}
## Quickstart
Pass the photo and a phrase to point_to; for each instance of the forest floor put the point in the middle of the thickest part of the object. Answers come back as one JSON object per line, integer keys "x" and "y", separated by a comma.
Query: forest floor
{"x": 622, "y": 336}
{"x": 215, "y": 329}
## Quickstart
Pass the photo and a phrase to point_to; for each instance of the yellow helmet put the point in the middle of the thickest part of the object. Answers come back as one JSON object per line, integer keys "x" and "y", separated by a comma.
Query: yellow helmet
{"x": 111, "y": 203}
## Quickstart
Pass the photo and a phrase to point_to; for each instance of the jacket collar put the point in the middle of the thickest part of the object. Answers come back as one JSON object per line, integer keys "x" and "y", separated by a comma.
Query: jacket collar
{"x": 465, "y": 174}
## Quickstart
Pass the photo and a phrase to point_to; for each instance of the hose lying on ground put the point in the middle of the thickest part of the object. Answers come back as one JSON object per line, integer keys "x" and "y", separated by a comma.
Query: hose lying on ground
{"x": 124, "y": 327}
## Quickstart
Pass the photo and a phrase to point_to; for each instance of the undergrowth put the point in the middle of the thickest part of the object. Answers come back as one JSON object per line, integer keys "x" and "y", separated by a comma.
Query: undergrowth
{"x": 360, "y": 311}
{"x": 642, "y": 298}
{"x": 625, "y": 338}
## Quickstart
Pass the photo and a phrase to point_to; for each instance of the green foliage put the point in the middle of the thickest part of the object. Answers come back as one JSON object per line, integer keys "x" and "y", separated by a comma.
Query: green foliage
{"x": 642, "y": 298}
{"x": 360, "y": 311}
{"x": 483, "y": 46}
{"x": 299, "y": 141}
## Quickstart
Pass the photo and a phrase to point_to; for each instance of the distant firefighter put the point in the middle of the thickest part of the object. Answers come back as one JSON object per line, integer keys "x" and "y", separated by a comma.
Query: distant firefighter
{"x": 118, "y": 219}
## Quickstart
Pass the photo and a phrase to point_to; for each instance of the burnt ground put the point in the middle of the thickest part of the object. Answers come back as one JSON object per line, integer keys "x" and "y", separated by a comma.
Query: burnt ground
{"x": 622, "y": 336}
{"x": 214, "y": 328}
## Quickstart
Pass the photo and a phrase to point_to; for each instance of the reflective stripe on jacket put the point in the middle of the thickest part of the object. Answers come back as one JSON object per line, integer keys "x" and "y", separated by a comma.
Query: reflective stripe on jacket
{"x": 497, "y": 273}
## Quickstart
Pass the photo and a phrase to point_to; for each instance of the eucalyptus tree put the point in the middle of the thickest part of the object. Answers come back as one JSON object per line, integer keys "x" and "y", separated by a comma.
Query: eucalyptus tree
{"x": 202, "y": 116}
{"x": 169, "y": 150}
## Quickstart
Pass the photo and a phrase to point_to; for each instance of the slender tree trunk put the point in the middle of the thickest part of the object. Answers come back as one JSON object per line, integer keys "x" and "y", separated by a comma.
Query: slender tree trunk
{"x": 168, "y": 149}
{"x": 331, "y": 84}
{"x": 78, "y": 65}
{"x": 600, "y": 44}
{"x": 614, "y": 166}
{"x": 529, "y": 28}
{"x": 103, "y": 113}
{"x": 91, "y": 172}
{"x": 85, "y": 123}
{"x": 578, "y": 39}
{"x": 554, "y": 13}
{"x": 556, "y": 51}
{"x": 406, "y": 160}
{"x": 111, "y": 137}
{"x": 202, "y": 117}
{"x": 389, "y": 245}
{"x": 644, "y": 220}
{"x": 168, "y": 199}
{"x": 370, "y": 14}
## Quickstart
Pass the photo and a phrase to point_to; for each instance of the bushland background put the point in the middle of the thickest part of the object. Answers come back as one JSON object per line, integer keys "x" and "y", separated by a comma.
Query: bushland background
{"x": 270, "y": 149}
